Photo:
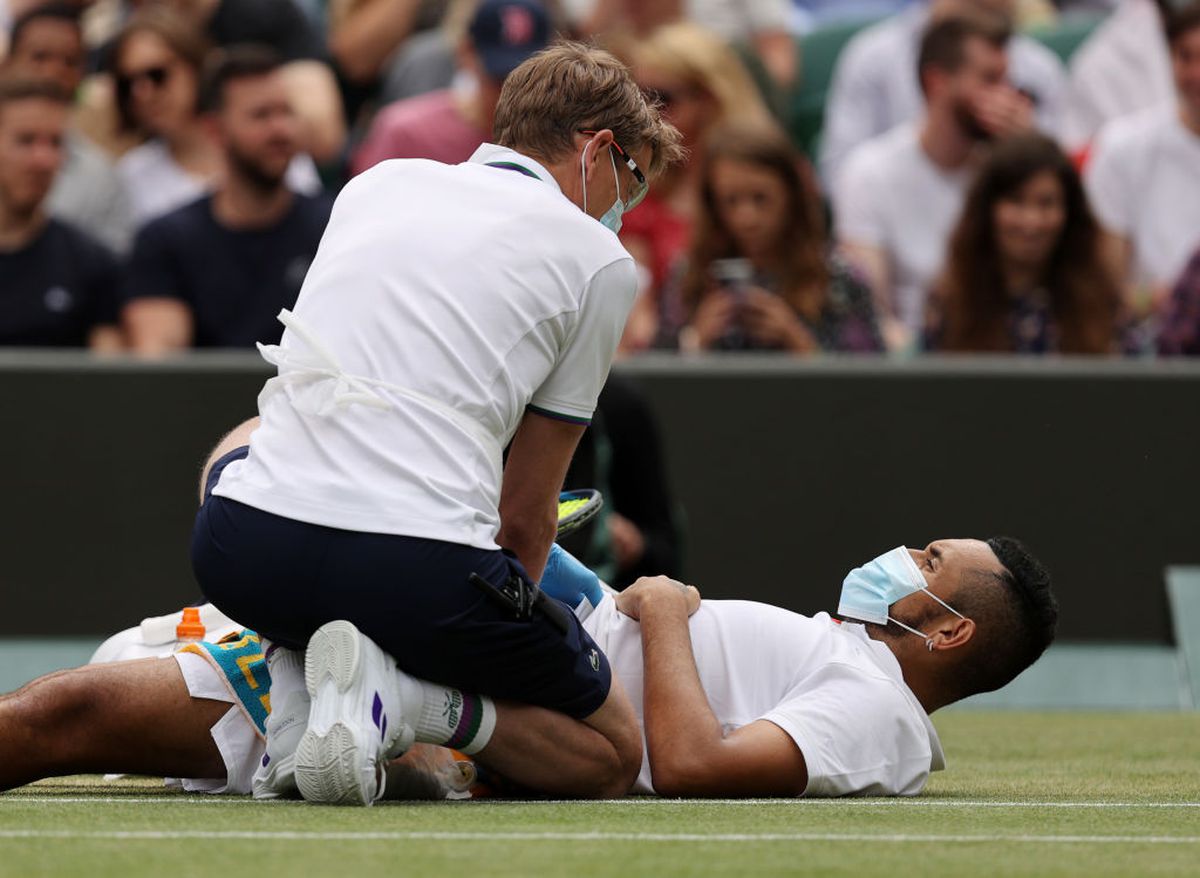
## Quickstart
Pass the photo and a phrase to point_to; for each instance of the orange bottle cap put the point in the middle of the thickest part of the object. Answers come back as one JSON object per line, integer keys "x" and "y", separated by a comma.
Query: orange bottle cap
{"x": 190, "y": 628}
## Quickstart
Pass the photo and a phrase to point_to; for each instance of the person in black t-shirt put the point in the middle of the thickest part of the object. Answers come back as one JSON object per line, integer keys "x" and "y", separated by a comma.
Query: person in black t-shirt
{"x": 216, "y": 272}
{"x": 57, "y": 285}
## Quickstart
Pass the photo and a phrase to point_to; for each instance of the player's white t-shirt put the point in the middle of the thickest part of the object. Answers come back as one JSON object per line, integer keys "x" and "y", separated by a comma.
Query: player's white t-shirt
{"x": 1143, "y": 179}
{"x": 443, "y": 301}
{"x": 838, "y": 694}
{"x": 889, "y": 194}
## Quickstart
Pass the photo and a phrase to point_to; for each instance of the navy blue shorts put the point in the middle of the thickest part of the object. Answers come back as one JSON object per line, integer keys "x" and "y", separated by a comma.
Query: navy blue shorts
{"x": 285, "y": 578}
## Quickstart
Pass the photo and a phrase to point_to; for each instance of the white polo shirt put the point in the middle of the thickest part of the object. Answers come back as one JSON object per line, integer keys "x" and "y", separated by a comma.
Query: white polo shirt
{"x": 837, "y": 693}
{"x": 443, "y": 301}
{"x": 889, "y": 194}
{"x": 1144, "y": 183}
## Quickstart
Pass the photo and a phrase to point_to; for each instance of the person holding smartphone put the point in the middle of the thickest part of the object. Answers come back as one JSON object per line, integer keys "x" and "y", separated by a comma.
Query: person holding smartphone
{"x": 760, "y": 274}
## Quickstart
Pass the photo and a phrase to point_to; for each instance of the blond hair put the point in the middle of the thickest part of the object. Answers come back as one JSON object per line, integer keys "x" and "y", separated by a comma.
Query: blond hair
{"x": 572, "y": 87}
{"x": 699, "y": 57}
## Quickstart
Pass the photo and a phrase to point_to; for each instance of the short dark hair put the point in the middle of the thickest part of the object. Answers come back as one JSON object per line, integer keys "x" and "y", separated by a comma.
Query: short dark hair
{"x": 13, "y": 90}
{"x": 57, "y": 10}
{"x": 944, "y": 43}
{"x": 1178, "y": 22}
{"x": 1015, "y": 615}
{"x": 236, "y": 62}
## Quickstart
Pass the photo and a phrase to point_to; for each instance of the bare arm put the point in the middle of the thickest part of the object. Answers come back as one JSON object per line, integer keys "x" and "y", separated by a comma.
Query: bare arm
{"x": 366, "y": 38}
{"x": 777, "y": 49}
{"x": 688, "y": 751}
{"x": 157, "y": 326}
{"x": 537, "y": 464}
{"x": 318, "y": 103}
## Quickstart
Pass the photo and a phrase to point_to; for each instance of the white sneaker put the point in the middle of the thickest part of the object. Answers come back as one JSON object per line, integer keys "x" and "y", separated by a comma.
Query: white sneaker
{"x": 290, "y": 704}
{"x": 355, "y": 724}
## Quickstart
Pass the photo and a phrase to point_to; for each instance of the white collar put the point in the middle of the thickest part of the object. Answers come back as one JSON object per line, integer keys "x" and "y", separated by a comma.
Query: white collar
{"x": 491, "y": 153}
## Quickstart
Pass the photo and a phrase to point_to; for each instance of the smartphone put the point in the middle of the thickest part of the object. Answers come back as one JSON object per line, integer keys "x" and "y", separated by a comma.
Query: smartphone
{"x": 732, "y": 275}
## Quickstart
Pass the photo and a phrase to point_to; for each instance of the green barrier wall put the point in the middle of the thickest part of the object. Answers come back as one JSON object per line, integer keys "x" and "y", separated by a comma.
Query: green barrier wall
{"x": 789, "y": 474}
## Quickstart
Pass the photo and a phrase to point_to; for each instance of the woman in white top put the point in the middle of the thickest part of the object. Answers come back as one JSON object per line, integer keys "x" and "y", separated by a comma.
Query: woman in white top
{"x": 156, "y": 62}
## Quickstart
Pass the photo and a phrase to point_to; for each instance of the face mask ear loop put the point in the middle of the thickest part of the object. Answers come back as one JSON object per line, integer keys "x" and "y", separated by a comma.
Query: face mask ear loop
{"x": 908, "y": 629}
{"x": 583, "y": 173}
{"x": 616, "y": 176}
{"x": 944, "y": 604}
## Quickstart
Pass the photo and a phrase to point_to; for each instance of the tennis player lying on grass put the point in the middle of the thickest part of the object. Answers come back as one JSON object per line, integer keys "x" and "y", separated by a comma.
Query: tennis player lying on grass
{"x": 736, "y": 698}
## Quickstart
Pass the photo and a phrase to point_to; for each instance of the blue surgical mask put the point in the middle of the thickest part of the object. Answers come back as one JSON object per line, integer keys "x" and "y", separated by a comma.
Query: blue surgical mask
{"x": 612, "y": 218}
{"x": 868, "y": 592}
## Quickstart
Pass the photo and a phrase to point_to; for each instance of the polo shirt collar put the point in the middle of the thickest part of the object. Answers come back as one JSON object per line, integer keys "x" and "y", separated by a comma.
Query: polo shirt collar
{"x": 491, "y": 153}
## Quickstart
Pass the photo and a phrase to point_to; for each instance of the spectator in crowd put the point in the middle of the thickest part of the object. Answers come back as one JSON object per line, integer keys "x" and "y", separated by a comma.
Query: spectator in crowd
{"x": 47, "y": 43}
{"x": 279, "y": 24}
{"x": 759, "y": 273}
{"x": 449, "y": 125}
{"x": 1025, "y": 271}
{"x": 157, "y": 60}
{"x": 763, "y": 25}
{"x": 1144, "y": 177}
{"x": 897, "y": 198}
{"x": 216, "y": 272}
{"x": 57, "y": 284}
{"x": 1121, "y": 68}
{"x": 875, "y": 86}
{"x": 699, "y": 82}
{"x": 428, "y": 60}
{"x": 1180, "y": 331}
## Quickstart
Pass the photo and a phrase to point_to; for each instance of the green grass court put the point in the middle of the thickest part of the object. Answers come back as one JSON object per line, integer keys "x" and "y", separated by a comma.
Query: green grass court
{"x": 1024, "y": 794}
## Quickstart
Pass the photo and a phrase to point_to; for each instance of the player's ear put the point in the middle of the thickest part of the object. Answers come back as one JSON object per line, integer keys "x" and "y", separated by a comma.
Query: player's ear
{"x": 951, "y": 632}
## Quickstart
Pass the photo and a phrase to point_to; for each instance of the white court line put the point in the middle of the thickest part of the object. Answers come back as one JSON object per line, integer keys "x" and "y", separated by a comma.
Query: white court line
{"x": 633, "y": 801}
{"x": 157, "y": 835}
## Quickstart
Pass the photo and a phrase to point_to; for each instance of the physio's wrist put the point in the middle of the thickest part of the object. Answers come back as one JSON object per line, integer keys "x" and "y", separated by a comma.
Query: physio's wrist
{"x": 664, "y": 596}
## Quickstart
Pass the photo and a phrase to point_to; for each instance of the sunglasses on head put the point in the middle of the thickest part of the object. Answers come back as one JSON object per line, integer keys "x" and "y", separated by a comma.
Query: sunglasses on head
{"x": 641, "y": 184}
{"x": 156, "y": 76}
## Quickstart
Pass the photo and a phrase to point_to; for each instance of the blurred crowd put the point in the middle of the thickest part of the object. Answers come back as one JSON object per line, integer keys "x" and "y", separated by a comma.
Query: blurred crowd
{"x": 989, "y": 175}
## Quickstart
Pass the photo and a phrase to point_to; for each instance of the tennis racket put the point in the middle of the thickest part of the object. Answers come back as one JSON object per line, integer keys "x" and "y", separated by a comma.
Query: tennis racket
{"x": 577, "y": 508}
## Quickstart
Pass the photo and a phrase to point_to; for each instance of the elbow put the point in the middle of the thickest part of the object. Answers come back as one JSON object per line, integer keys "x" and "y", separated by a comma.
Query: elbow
{"x": 529, "y": 538}
{"x": 352, "y": 62}
{"x": 676, "y": 774}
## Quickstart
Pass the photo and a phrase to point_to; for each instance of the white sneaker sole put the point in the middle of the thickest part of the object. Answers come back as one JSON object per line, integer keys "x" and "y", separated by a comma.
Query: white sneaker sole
{"x": 337, "y": 757}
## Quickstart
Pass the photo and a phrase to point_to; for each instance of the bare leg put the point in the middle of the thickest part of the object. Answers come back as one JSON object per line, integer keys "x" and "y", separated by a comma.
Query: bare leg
{"x": 599, "y": 757}
{"x": 235, "y": 438}
{"x": 131, "y": 717}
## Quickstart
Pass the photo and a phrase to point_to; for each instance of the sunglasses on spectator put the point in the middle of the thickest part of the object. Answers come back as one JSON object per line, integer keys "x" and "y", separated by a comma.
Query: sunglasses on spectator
{"x": 156, "y": 76}
{"x": 641, "y": 185}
